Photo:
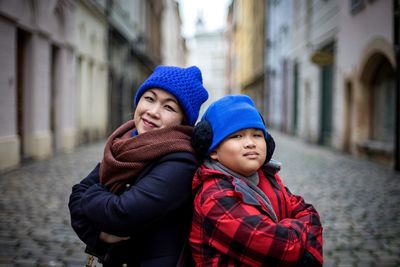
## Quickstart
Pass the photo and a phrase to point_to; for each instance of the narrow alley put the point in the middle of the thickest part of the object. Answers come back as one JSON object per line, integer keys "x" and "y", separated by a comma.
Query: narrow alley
{"x": 358, "y": 202}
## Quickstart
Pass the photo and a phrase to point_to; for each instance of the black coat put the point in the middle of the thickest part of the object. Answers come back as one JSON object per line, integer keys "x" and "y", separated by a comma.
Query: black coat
{"x": 155, "y": 212}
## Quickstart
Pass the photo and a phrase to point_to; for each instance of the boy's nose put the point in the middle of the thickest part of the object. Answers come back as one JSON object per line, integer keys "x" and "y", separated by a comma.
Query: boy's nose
{"x": 249, "y": 143}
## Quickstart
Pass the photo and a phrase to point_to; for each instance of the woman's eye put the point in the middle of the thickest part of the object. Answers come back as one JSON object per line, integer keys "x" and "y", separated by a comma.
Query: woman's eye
{"x": 149, "y": 98}
{"x": 169, "y": 108}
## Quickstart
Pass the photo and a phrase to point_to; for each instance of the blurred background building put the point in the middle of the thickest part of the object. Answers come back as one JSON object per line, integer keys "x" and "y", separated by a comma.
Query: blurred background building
{"x": 246, "y": 35}
{"x": 323, "y": 70}
{"x": 134, "y": 49}
{"x": 330, "y": 71}
{"x": 206, "y": 49}
{"x": 38, "y": 54}
{"x": 70, "y": 69}
{"x": 91, "y": 71}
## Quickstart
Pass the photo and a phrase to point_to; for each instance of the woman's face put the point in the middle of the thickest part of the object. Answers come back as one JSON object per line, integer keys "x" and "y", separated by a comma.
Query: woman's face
{"x": 157, "y": 109}
{"x": 243, "y": 152}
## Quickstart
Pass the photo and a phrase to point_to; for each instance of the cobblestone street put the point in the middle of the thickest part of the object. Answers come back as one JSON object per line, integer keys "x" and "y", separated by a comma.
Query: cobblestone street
{"x": 34, "y": 219}
{"x": 359, "y": 204}
{"x": 358, "y": 201}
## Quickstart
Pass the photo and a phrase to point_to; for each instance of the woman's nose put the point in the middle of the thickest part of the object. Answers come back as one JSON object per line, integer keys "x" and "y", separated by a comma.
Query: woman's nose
{"x": 154, "y": 110}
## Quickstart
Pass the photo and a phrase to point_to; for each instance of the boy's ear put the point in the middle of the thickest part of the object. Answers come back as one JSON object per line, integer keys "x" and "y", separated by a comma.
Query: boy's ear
{"x": 270, "y": 143}
{"x": 202, "y": 138}
{"x": 270, "y": 147}
{"x": 214, "y": 155}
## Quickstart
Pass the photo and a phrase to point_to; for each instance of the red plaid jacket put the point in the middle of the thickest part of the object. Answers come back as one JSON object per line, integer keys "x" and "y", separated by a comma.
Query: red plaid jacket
{"x": 233, "y": 227}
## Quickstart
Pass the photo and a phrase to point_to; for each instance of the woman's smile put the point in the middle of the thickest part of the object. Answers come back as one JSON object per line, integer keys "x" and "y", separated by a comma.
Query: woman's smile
{"x": 149, "y": 123}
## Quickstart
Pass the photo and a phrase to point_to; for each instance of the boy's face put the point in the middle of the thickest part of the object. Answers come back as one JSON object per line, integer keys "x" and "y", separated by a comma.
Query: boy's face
{"x": 243, "y": 152}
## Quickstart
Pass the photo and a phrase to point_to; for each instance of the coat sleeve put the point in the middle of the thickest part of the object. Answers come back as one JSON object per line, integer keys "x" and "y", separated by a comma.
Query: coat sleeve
{"x": 247, "y": 234}
{"x": 86, "y": 230}
{"x": 164, "y": 189}
{"x": 309, "y": 217}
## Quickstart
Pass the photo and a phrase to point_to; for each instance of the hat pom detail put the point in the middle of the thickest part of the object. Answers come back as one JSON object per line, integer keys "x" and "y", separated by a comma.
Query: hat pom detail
{"x": 202, "y": 138}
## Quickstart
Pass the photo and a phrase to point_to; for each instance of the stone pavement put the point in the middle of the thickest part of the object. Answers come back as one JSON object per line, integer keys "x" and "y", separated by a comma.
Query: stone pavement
{"x": 358, "y": 201}
{"x": 34, "y": 218}
{"x": 359, "y": 204}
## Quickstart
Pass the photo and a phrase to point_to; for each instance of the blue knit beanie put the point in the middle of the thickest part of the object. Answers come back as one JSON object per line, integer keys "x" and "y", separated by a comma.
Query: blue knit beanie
{"x": 186, "y": 84}
{"x": 230, "y": 114}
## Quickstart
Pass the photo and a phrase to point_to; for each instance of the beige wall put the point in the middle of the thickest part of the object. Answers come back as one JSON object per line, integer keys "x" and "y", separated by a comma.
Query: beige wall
{"x": 9, "y": 140}
{"x": 42, "y": 128}
{"x": 314, "y": 26}
{"x": 364, "y": 40}
{"x": 91, "y": 73}
{"x": 173, "y": 50}
{"x": 249, "y": 48}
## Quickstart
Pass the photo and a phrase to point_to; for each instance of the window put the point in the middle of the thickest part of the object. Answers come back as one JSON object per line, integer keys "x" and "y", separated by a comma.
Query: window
{"x": 383, "y": 97}
{"x": 275, "y": 2}
{"x": 356, "y": 6}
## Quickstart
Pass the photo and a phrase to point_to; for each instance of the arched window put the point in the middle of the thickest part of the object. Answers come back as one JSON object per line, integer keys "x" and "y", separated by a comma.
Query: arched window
{"x": 383, "y": 99}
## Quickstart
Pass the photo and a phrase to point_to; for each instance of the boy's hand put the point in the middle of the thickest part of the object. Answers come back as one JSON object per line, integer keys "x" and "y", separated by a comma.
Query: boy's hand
{"x": 308, "y": 260}
{"x": 108, "y": 238}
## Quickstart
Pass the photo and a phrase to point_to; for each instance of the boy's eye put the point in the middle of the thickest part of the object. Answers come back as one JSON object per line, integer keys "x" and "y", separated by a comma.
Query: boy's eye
{"x": 235, "y": 136}
{"x": 258, "y": 134}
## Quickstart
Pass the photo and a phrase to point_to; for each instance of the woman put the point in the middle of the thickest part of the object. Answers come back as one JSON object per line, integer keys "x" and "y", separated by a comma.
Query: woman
{"x": 134, "y": 208}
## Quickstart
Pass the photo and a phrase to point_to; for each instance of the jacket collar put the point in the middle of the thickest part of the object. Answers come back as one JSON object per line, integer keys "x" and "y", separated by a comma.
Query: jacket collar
{"x": 268, "y": 170}
{"x": 215, "y": 165}
{"x": 245, "y": 189}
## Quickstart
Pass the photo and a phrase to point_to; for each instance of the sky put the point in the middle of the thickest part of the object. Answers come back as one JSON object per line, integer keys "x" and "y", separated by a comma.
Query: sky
{"x": 214, "y": 14}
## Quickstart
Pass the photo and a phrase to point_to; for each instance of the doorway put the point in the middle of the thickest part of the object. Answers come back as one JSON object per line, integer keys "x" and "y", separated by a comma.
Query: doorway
{"x": 348, "y": 116}
{"x": 295, "y": 97}
{"x": 326, "y": 85}
{"x": 22, "y": 41}
{"x": 54, "y": 97}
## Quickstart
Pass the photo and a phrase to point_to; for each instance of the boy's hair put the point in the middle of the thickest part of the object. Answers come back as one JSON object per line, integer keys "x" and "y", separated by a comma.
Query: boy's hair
{"x": 224, "y": 117}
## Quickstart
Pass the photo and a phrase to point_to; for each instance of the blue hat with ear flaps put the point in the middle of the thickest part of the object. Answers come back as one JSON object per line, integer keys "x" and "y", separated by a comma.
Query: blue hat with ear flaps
{"x": 230, "y": 114}
{"x": 186, "y": 84}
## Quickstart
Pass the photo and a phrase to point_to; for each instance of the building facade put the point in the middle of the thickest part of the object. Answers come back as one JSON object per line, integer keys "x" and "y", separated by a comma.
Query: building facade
{"x": 70, "y": 69}
{"x": 278, "y": 65}
{"x": 91, "y": 83}
{"x": 246, "y": 33}
{"x": 231, "y": 83}
{"x": 134, "y": 49}
{"x": 366, "y": 111}
{"x": 330, "y": 71}
{"x": 37, "y": 80}
{"x": 207, "y": 50}
{"x": 173, "y": 50}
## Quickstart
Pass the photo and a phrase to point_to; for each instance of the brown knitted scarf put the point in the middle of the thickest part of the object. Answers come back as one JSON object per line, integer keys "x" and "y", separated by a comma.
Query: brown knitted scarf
{"x": 125, "y": 156}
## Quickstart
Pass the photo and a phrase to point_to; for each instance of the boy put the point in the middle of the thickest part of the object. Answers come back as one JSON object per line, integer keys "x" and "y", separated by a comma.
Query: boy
{"x": 243, "y": 214}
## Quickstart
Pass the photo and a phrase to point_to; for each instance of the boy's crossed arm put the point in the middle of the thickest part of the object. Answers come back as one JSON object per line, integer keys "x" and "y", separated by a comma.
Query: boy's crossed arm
{"x": 251, "y": 237}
